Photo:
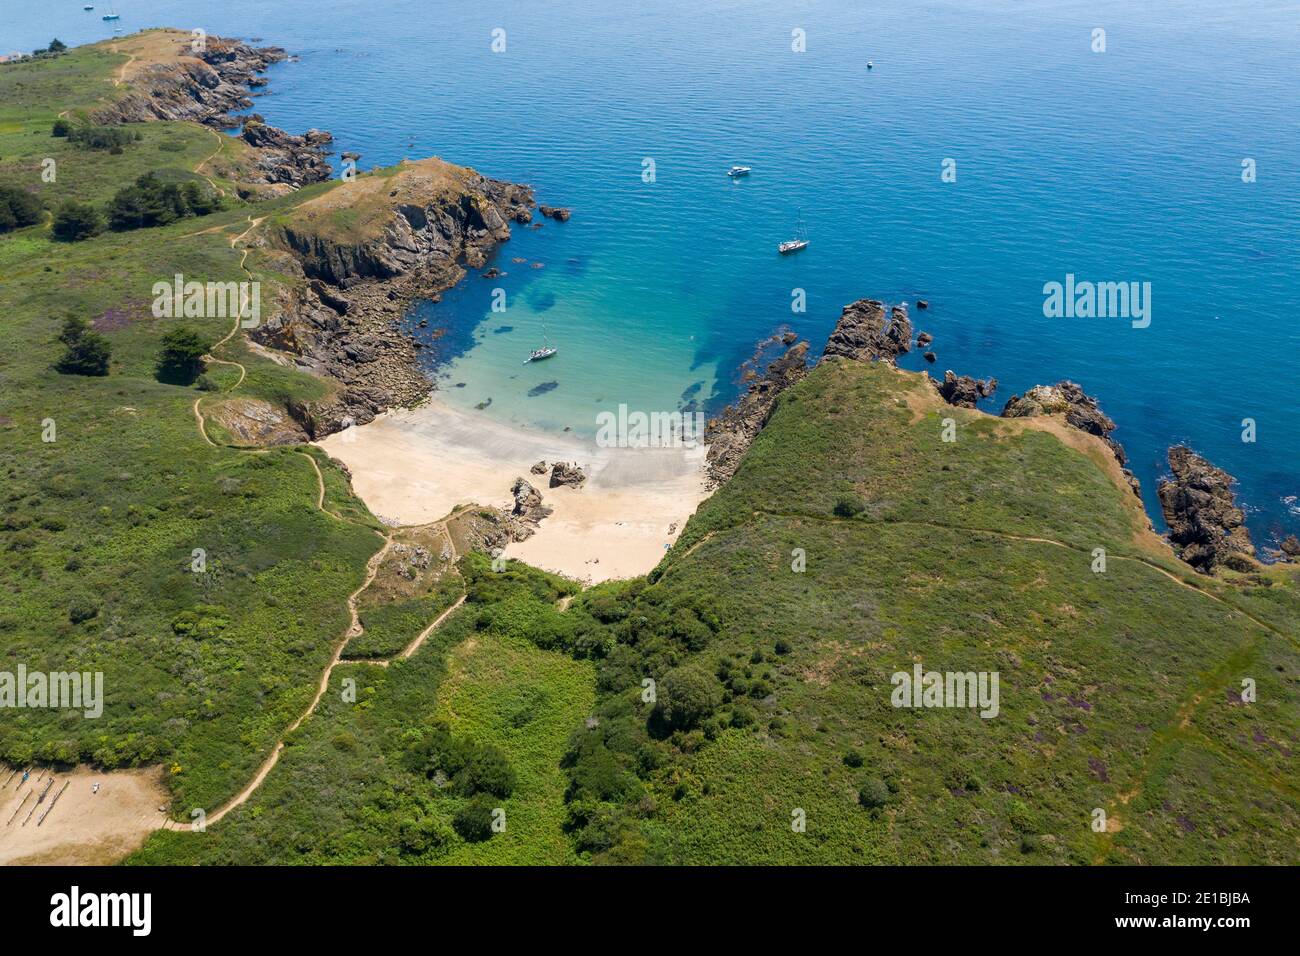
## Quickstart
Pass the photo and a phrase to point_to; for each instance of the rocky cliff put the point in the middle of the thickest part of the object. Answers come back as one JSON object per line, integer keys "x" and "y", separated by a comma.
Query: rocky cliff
{"x": 167, "y": 78}
{"x": 366, "y": 250}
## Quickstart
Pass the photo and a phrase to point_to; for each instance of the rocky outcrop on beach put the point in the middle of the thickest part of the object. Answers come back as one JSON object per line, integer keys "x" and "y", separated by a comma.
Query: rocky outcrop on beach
{"x": 558, "y": 213}
{"x": 963, "y": 391}
{"x": 365, "y": 251}
{"x": 1081, "y": 411}
{"x": 207, "y": 86}
{"x": 565, "y": 473}
{"x": 864, "y": 334}
{"x": 729, "y": 435}
{"x": 1206, "y": 527}
{"x": 522, "y": 519}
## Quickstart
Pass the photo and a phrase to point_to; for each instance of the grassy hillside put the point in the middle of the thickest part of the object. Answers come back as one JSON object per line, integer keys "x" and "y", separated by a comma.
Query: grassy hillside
{"x": 202, "y": 671}
{"x": 1119, "y": 690}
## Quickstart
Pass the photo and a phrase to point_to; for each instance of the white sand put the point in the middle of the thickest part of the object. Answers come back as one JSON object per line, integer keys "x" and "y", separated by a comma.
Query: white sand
{"x": 413, "y": 467}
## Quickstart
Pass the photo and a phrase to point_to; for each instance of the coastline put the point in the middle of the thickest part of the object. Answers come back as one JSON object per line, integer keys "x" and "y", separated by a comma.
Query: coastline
{"x": 414, "y": 466}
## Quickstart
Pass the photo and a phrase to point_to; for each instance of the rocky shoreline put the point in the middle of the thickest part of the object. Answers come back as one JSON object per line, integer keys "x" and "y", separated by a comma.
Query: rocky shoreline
{"x": 1206, "y": 528}
{"x": 207, "y": 87}
{"x": 341, "y": 315}
{"x": 345, "y": 321}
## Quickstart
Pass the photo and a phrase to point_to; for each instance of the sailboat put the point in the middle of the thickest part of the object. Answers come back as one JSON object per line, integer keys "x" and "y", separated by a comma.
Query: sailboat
{"x": 799, "y": 242}
{"x": 111, "y": 15}
{"x": 545, "y": 352}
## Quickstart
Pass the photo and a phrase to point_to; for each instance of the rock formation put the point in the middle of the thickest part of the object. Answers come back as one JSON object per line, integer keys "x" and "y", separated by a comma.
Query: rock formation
{"x": 564, "y": 473}
{"x": 863, "y": 333}
{"x": 729, "y": 435}
{"x": 1081, "y": 411}
{"x": 558, "y": 213}
{"x": 1206, "y": 527}
{"x": 528, "y": 511}
{"x": 207, "y": 88}
{"x": 367, "y": 249}
{"x": 962, "y": 390}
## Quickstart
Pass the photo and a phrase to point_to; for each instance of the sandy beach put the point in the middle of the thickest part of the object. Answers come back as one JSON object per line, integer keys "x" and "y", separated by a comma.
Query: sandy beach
{"x": 415, "y": 466}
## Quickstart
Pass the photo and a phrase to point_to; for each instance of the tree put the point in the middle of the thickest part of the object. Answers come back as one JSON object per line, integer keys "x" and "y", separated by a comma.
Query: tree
{"x": 76, "y": 221}
{"x": 18, "y": 208}
{"x": 180, "y": 361}
{"x": 57, "y": 46}
{"x": 85, "y": 352}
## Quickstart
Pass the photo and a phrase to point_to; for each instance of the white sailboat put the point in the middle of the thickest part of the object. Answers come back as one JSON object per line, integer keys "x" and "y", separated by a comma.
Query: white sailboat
{"x": 799, "y": 242}
{"x": 545, "y": 352}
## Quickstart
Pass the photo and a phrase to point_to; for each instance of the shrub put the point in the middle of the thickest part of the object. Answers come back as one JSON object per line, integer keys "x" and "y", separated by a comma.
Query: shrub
{"x": 82, "y": 609}
{"x": 873, "y": 793}
{"x": 61, "y": 128}
{"x": 76, "y": 221}
{"x": 418, "y": 837}
{"x": 853, "y": 759}
{"x": 486, "y": 771}
{"x": 848, "y": 506}
{"x": 473, "y": 820}
{"x": 686, "y": 696}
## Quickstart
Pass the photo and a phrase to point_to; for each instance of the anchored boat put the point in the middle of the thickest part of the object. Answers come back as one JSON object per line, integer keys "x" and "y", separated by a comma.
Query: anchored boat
{"x": 799, "y": 242}
{"x": 735, "y": 172}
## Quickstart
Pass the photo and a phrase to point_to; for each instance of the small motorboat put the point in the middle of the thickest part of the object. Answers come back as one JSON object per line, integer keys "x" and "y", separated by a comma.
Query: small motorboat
{"x": 735, "y": 172}
{"x": 88, "y": 6}
{"x": 111, "y": 16}
{"x": 870, "y": 65}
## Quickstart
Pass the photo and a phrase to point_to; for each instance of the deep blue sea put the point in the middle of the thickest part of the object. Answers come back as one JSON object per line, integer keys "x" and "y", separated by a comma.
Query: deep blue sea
{"x": 1123, "y": 165}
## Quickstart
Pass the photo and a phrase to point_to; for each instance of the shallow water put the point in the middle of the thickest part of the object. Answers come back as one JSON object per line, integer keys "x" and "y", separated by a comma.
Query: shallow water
{"x": 1115, "y": 166}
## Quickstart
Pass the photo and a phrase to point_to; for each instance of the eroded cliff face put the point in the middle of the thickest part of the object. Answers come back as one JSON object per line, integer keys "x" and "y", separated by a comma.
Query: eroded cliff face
{"x": 367, "y": 250}
{"x": 435, "y": 233}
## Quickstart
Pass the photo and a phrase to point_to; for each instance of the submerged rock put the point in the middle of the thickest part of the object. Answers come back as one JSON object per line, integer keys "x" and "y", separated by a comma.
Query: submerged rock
{"x": 1206, "y": 527}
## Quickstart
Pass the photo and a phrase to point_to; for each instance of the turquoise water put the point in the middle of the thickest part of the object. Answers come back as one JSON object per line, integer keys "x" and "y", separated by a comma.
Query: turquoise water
{"x": 1118, "y": 166}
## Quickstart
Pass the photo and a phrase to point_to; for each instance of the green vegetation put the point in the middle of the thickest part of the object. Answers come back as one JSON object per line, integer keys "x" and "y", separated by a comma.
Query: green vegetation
{"x": 733, "y": 706}
{"x": 180, "y": 359}
{"x": 151, "y": 202}
{"x": 18, "y": 208}
{"x": 85, "y": 352}
{"x": 76, "y": 221}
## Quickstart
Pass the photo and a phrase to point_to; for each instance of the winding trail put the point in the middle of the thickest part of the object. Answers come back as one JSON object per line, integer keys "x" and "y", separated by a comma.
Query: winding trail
{"x": 355, "y": 628}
